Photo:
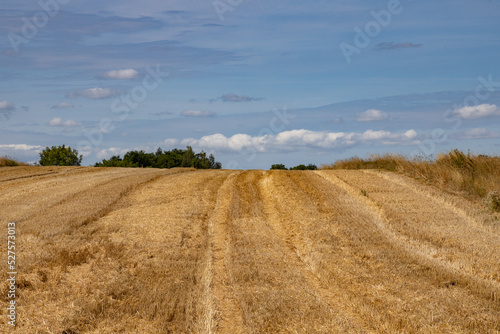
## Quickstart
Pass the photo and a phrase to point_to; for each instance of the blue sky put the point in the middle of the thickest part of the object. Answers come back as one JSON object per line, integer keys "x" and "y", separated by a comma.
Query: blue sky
{"x": 254, "y": 82}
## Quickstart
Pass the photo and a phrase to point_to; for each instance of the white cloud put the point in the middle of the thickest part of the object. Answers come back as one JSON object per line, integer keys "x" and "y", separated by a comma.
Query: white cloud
{"x": 218, "y": 141}
{"x": 480, "y": 111}
{"x": 6, "y": 106}
{"x": 298, "y": 139}
{"x": 375, "y": 135}
{"x": 63, "y": 105}
{"x": 477, "y": 133}
{"x": 57, "y": 121}
{"x": 171, "y": 142}
{"x": 121, "y": 151}
{"x": 319, "y": 139}
{"x": 85, "y": 150}
{"x": 411, "y": 134}
{"x": 21, "y": 152}
{"x": 109, "y": 152}
{"x": 21, "y": 147}
{"x": 124, "y": 74}
{"x": 372, "y": 115}
{"x": 94, "y": 93}
{"x": 197, "y": 113}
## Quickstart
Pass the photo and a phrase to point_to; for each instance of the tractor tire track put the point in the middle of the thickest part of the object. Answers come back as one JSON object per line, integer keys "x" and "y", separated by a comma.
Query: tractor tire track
{"x": 442, "y": 272}
{"x": 288, "y": 231}
{"x": 473, "y": 215}
{"x": 226, "y": 315}
{"x": 22, "y": 200}
{"x": 433, "y": 229}
{"x": 277, "y": 293}
{"x": 322, "y": 221}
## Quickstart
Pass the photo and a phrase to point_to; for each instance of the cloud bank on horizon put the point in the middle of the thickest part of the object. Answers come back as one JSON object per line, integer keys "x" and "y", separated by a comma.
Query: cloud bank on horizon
{"x": 295, "y": 139}
{"x": 81, "y": 73}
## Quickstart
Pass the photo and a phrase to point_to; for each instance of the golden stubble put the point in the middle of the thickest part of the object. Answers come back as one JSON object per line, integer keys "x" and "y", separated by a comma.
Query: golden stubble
{"x": 184, "y": 251}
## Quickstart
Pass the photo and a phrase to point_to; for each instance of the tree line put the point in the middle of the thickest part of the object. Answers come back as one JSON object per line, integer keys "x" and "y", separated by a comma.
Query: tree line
{"x": 299, "y": 167}
{"x": 66, "y": 156}
{"x": 163, "y": 159}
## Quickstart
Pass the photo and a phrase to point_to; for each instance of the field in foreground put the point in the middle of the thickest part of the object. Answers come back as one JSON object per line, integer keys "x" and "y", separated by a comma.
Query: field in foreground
{"x": 219, "y": 251}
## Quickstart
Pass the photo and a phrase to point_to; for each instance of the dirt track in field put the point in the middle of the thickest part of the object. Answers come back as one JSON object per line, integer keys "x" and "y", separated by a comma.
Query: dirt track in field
{"x": 184, "y": 251}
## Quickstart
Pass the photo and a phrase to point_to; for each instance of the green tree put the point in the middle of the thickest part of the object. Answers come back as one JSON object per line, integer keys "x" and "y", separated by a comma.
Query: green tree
{"x": 278, "y": 166}
{"x": 114, "y": 161}
{"x": 139, "y": 159}
{"x": 159, "y": 152}
{"x": 214, "y": 164}
{"x": 188, "y": 158}
{"x": 60, "y": 156}
{"x": 299, "y": 167}
{"x": 304, "y": 167}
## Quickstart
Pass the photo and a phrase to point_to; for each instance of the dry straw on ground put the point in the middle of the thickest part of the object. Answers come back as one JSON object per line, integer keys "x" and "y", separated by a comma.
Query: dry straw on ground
{"x": 185, "y": 251}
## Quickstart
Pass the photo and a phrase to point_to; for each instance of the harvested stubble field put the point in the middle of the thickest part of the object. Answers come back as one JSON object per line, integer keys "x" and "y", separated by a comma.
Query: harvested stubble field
{"x": 220, "y": 251}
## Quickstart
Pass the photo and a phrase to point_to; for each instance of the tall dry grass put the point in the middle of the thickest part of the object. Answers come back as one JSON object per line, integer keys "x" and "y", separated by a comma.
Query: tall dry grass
{"x": 7, "y": 161}
{"x": 474, "y": 176}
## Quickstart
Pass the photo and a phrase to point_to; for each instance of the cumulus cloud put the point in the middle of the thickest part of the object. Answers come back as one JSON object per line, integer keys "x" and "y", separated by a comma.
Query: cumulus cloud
{"x": 171, "y": 142}
{"x": 6, "y": 109}
{"x": 480, "y": 111}
{"x": 63, "y": 105}
{"x": 372, "y": 115}
{"x": 21, "y": 152}
{"x": 477, "y": 133}
{"x": 231, "y": 97}
{"x": 21, "y": 147}
{"x": 124, "y": 74}
{"x": 57, "y": 121}
{"x": 411, "y": 134}
{"x": 197, "y": 113}
{"x": 94, "y": 93}
{"x": 109, "y": 152}
{"x": 218, "y": 141}
{"x": 395, "y": 46}
{"x": 121, "y": 151}
{"x": 298, "y": 139}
